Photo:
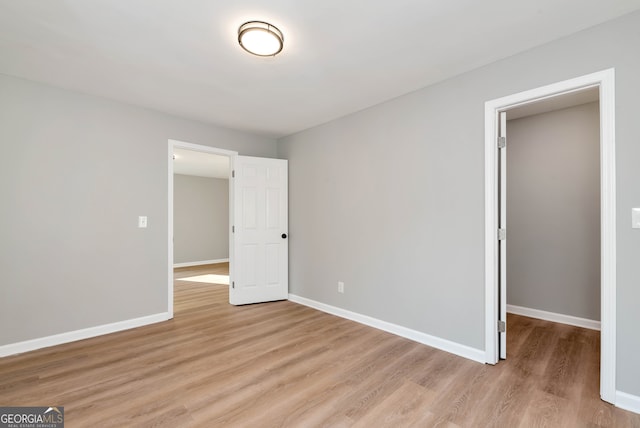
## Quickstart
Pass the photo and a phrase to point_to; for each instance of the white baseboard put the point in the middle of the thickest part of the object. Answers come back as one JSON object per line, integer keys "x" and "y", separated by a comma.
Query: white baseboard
{"x": 628, "y": 402}
{"x": 200, "y": 263}
{"x": 426, "y": 339}
{"x": 86, "y": 333}
{"x": 551, "y": 316}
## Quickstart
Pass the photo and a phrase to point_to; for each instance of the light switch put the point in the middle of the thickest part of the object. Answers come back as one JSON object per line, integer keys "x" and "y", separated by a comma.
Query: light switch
{"x": 142, "y": 221}
{"x": 635, "y": 218}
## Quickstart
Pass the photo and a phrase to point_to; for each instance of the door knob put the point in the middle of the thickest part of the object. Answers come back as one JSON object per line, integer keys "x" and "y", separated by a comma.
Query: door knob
{"x": 284, "y": 236}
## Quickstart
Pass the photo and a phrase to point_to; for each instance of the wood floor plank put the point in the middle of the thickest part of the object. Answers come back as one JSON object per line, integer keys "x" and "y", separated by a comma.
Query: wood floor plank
{"x": 459, "y": 401}
{"x": 403, "y": 407}
{"x": 545, "y": 410}
{"x": 281, "y": 364}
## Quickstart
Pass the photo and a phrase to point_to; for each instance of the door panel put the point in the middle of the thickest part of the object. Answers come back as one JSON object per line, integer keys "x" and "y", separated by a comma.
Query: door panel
{"x": 260, "y": 222}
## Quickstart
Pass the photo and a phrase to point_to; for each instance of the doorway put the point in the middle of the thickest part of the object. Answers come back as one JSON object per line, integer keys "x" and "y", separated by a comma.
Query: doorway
{"x": 226, "y": 159}
{"x": 258, "y": 226}
{"x": 553, "y": 210}
{"x": 495, "y": 216}
{"x": 200, "y": 208}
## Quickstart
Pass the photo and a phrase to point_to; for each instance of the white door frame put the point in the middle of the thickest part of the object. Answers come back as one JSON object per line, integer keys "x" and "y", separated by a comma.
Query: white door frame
{"x": 175, "y": 144}
{"x": 605, "y": 81}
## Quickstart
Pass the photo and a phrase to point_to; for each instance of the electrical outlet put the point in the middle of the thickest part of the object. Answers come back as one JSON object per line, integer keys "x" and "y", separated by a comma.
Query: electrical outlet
{"x": 340, "y": 287}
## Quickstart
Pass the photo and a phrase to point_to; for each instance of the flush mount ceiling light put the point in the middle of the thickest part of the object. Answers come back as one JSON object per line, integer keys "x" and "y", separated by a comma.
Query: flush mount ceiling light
{"x": 260, "y": 38}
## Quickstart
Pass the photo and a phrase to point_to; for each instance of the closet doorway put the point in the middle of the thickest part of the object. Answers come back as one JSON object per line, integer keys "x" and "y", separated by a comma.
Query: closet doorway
{"x": 496, "y": 214}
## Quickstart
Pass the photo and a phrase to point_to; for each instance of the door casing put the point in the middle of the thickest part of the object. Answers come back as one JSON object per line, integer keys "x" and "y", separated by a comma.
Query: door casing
{"x": 605, "y": 81}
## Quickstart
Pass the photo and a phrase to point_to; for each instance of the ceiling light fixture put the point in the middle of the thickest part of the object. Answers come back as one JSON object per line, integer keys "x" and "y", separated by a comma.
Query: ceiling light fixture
{"x": 260, "y": 38}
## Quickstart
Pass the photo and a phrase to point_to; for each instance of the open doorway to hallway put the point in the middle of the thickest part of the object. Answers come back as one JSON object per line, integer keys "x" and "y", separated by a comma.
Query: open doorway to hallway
{"x": 200, "y": 212}
{"x": 200, "y": 224}
{"x": 257, "y": 239}
{"x": 200, "y": 208}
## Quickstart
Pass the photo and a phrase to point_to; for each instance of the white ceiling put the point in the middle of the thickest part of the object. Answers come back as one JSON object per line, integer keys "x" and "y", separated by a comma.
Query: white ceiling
{"x": 189, "y": 162}
{"x": 182, "y": 57}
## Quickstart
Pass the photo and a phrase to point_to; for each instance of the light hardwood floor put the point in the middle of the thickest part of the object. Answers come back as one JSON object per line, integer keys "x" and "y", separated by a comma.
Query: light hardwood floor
{"x": 282, "y": 364}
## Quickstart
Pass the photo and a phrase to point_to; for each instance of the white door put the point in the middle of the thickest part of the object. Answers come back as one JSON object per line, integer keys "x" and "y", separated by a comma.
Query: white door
{"x": 260, "y": 242}
{"x": 502, "y": 238}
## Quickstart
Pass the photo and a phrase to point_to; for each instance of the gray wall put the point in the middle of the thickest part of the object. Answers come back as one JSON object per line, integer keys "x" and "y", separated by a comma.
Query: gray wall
{"x": 200, "y": 218}
{"x": 77, "y": 171}
{"x": 553, "y": 211}
{"x": 391, "y": 199}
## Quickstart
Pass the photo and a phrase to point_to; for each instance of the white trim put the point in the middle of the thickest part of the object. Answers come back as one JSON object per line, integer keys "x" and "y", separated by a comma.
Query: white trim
{"x": 490, "y": 229}
{"x": 200, "y": 263}
{"x": 605, "y": 80}
{"x": 170, "y": 231}
{"x": 628, "y": 402}
{"x": 555, "y": 317}
{"x": 85, "y": 333}
{"x": 170, "y": 265}
{"x": 417, "y": 336}
{"x": 608, "y": 236}
{"x": 200, "y": 148}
